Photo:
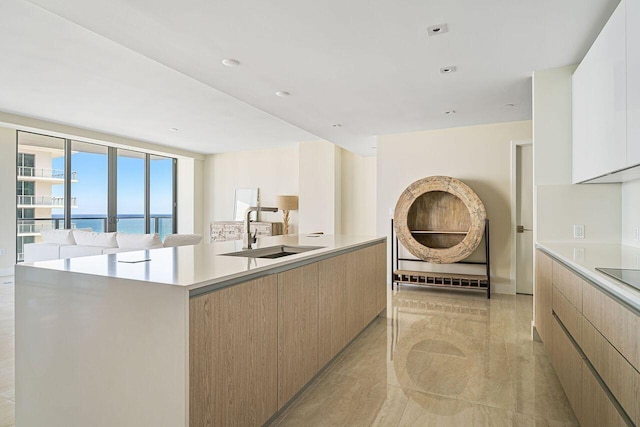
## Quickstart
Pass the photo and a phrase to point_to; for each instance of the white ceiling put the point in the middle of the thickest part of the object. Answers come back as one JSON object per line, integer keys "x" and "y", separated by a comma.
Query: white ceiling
{"x": 139, "y": 67}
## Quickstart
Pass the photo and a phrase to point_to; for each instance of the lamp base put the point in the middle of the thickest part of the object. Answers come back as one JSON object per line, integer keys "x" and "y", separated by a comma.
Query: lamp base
{"x": 285, "y": 222}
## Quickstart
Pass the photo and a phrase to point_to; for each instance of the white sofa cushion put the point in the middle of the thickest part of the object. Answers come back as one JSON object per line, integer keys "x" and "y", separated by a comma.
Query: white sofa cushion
{"x": 41, "y": 251}
{"x": 60, "y": 237}
{"x": 138, "y": 241}
{"x": 88, "y": 238}
{"x": 73, "y": 251}
{"x": 173, "y": 240}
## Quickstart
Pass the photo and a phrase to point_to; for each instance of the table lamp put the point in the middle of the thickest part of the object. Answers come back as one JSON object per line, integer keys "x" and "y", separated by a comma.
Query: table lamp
{"x": 286, "y": 204}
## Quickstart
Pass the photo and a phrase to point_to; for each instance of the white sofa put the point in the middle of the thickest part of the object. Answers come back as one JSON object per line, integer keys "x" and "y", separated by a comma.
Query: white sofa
{"x": 61, "y": 244}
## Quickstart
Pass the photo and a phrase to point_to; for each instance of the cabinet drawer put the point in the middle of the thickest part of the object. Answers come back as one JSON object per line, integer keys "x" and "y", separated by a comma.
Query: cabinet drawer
{"x": 568, "y": 364}
{"x": 621, "y": 378}
{"x": 592, "y": 305}
{"x": 615, "y": 322}
{"x": 597, "y": 409}
{"x": 568, "y": 315}
{"x": 569, "y": 284}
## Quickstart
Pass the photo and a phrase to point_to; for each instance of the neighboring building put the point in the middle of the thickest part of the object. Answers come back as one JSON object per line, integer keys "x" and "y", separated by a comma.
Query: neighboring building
{"x": 36, "y": 180}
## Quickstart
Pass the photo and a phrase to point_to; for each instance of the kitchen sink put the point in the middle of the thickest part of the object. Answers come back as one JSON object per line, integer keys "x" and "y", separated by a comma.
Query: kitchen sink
{"x": 272, "y": 252}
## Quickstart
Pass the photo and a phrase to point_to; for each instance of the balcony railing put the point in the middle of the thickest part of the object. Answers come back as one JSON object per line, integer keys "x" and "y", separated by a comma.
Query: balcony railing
{"x": 46, "y": 201}
{"x": 161, "y": 224}
{"x": 31, "y": 172}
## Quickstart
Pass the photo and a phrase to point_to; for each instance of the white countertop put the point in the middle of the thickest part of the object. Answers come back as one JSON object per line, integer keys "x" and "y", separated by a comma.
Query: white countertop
{"x": 585, "y": 257}
{"x": 201, "y": 265}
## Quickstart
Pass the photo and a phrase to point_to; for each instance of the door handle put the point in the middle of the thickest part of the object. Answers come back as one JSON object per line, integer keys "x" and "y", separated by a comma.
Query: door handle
{"x": 521, "y": 229}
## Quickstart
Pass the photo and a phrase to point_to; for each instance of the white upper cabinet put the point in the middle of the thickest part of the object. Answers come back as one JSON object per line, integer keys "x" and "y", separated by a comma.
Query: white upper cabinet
{"x": 633, "y": 82}
{"x": 600, "y": 104}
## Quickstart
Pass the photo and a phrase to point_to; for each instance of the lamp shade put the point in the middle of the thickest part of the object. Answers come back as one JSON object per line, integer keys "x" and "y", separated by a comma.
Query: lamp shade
{"x": 287, "y": 203}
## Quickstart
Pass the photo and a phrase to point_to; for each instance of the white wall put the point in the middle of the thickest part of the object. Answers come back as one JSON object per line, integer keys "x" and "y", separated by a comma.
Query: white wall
{"x": 559, "y": 204}
{"x": 358, "y": 194}
{"x": 480, "y": 156}
{"x": 320, "y": 187}
{"x": 8, "y": 196}
{"x": 273, "y": 171}
{"x": 190, "y": 195}
{"x": 630, "y": 212}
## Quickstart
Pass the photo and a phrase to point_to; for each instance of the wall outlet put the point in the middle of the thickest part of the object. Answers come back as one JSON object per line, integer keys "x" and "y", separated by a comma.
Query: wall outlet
{"x": 578, "y": 231}
{"x": 3, "y": 252}
{"x": 636, "y": 234}
{"x": 578, "y": 254}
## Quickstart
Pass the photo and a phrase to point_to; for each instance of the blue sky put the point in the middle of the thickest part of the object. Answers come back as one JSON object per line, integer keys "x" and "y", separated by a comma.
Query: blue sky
{"x": 91, "y": 188}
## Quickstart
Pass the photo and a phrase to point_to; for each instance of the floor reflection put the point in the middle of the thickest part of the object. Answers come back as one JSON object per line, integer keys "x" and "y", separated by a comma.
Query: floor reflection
{"x": 444, "y": 359}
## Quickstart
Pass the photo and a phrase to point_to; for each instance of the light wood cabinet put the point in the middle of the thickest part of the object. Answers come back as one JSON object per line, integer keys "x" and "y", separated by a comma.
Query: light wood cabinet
{"x": 600, "y": 138}
{"x": 380, "y": 282}
{"x": 542, "y": 298}
{"x": 567, "y": 362}
{"x": 333, "y": 307}
{"x": 254, "y": 345}
{"x": 597, "y": 410}
{"x": 607, "y": 339}
{"x": 369, "y": 283}
{"x": 233, "y": 361}
{"x": 297, "y": 330}
{"x": 569, "y": 284}
{"x": 355, "y": 292}
{"x": 568, "y": 315}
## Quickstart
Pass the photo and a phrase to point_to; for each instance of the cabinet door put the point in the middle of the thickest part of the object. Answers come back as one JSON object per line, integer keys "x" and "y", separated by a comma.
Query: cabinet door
{"x": 381, "y": 277}
{"x": 332, "y": 274}
{"x": 597, "y": 410}
{"x": 368, "y": 271}
{"x": 582, "y": 154}
{"x": 233, "y": 355}
{"x": 633, "y": 82}
{"x": 542, "y": 297}
{"x": 605, "y": 147}
{"x": 568, "y": 364}
{"x": 355, "y": 294}
{"x": 297, "y": 330}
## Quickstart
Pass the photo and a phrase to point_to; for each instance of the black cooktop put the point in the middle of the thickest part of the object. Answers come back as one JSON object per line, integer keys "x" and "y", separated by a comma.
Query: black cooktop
{"x": 630, "y": 277}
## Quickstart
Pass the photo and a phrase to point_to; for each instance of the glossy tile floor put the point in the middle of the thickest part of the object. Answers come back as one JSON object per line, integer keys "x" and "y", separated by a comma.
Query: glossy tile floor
{"x": 7, "y": 360}
{"x": 442, "y": 359}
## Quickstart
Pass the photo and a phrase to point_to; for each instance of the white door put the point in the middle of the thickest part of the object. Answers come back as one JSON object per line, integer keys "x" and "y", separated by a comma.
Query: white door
{"x": 524, "y": 217}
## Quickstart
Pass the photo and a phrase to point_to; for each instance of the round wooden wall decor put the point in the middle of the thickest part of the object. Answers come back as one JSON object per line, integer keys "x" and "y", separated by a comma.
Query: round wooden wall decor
{"x": 439, "y": 219}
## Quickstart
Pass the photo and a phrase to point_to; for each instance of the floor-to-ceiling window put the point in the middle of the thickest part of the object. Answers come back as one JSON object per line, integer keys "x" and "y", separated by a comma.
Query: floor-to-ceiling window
{"x": 90, "y": 162}
{"x": 161, "y": 194}
{"x": 40, "y": 177}
{"x": 63, "y": 183}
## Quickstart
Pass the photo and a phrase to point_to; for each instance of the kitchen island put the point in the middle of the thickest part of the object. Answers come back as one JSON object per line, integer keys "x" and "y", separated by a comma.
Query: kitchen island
{"x": 188, "y": 336}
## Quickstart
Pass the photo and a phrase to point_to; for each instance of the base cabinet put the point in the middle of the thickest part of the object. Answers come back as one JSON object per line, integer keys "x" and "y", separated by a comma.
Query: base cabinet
{"x": 297, "y": 330}
{"x": 542, "y": 298}
{"x": 593, "y": 345}
{"x": 254, "y": 345}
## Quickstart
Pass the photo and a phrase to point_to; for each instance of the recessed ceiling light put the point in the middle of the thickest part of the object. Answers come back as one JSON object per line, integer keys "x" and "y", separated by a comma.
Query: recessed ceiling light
{"x": 230, "y": 62}
{"x": 336, "y": 125}
{"x": 509, "y": 105}
{"x": 449, "y": 112}
{"x": 282, "y": 93}
{"x": 436, "y": 30}
{"x": 448, "y": 69}
{"x": 174, "y": 129}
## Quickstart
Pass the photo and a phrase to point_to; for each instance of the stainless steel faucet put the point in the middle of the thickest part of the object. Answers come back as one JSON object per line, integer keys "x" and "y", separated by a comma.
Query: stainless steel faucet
{"x": 248, "y": 239}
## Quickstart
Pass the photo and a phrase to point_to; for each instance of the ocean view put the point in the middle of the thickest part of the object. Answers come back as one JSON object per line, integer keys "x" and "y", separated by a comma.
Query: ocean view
{"x": 133, "y": 224}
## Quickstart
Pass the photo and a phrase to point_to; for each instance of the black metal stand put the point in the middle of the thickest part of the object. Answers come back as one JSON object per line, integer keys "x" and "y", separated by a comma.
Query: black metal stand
{"x": 448, "y": 280}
